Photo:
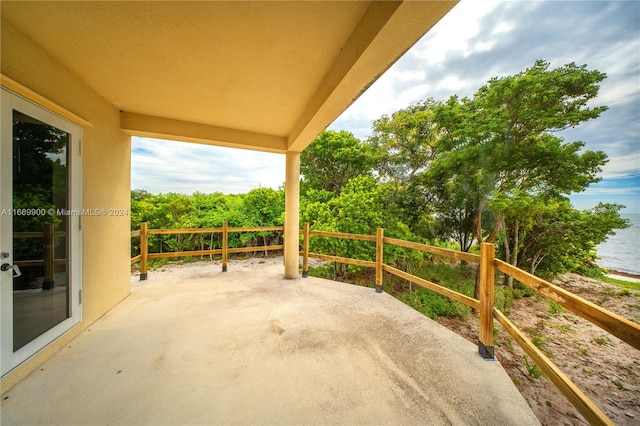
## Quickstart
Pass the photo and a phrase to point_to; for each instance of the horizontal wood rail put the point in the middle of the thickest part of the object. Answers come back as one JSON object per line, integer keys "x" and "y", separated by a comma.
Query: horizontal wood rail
{"x": 458, "y": 255}
{"x": 210, "y": 252}
{"x": 257, "y": 229}
{"x": 620, "y": 327}
{"x": 255, "y": 248}
{"x": 346, "y": 260}
{"x": 207, "y": 230}
{"x": 38, "y": 262}
{"x": 183, "y": 231}
{"x": 170, "y": 254}
{"x": 56, "y": 234}
{"x": 48, "y": 261}
{"x": 583, "y": 404}
{"x": 361, "y": 237}
{"x": 469, "y": 301}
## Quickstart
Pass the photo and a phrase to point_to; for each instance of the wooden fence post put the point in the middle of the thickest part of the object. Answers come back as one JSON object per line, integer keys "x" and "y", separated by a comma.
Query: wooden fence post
{"x": 487, "y": 282}
{"x": 144, "y": 250}
{"x": 379, "y": 258}
{"x": 49, "y": 245}
{"x": 225, "y": 239}
{"x": 305, "y": 250}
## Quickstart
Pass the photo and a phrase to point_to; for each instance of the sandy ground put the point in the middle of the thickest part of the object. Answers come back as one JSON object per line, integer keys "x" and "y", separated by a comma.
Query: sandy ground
{"x": 601, "y": 365}
{"x": 604, "y": 367}
{"x": 178, "y": 269}
{"x": 624, "y": 277}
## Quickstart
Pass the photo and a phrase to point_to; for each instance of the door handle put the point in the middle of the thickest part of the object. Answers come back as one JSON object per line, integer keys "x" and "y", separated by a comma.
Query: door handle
{"x": 16, "y": 269}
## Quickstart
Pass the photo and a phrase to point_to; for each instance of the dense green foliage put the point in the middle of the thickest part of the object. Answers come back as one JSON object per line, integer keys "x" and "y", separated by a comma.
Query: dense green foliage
{"x": 490, "y": 168}
{"x": 333, "y": 159}
{"x": 259, "y": 207}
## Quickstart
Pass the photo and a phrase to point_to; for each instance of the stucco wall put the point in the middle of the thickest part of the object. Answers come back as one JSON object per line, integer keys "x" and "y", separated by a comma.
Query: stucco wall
{"x": 106, "y": 179}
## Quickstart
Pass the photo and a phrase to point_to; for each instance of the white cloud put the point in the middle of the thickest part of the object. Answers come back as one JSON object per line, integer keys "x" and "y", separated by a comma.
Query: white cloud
{"x": 167, "y": 166}
{"x": 451, "y": 83}
{"x": 622, "y": 166}
{"x": 600, "y": 190}
{"x": 454, "y": 32}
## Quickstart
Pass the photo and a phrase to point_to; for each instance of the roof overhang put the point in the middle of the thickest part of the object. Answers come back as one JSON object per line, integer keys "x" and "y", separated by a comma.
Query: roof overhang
{"x": 263, "y": 75}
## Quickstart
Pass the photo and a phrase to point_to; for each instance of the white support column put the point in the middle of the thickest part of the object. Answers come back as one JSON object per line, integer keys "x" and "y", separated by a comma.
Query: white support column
{"x": 292, "y": 215}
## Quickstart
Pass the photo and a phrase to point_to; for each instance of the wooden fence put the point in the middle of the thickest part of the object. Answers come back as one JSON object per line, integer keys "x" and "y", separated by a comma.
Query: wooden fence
{"x": 48, "y": 261}
{"x": 224, "y": 251}
{"x": 620, "y": 327}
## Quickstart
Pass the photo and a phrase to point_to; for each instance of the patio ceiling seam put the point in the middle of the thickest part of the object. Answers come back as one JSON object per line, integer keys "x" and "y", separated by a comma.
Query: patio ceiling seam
{"x": 165, "y": 128}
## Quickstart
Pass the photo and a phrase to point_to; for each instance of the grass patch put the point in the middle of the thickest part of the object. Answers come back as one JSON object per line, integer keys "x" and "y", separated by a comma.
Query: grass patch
{"x": 625, "y": 292}
{"x": 603, "y": 341}
{"x": 563, "y": 328}
{"x": 509, "y": 344}
{"x": 460, "y": 278}
{"x": 555, "y": 307}
{"x": 533, "y": 370}
{"x": 629, "y": 285}
{"x": 630, "y": 372}
{"x": 503, "y": 299}
{"x": 539, "y": 340}
{"x": 434, "y": 305}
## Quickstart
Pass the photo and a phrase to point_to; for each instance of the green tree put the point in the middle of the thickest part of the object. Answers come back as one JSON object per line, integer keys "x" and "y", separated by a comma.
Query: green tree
{"x": 358, "y": 210}
{"x": 454, "y": 204}
{"x": 333, "y": 159}
{"x": 264, "y": 207}
{"x": 552, "y": 237}
{"x": 503, "y": 136}
{"x": 500, "y": 143}
{"x": 407, "y": 142}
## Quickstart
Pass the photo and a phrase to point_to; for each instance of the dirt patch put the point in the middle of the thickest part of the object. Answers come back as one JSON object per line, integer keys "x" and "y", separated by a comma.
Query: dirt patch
{"x": 605, "y": 368}
{"x": 204, "y": 268}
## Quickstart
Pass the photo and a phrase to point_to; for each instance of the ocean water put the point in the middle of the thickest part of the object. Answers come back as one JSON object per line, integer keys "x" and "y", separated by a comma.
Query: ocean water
{"x": 621, "y": 252}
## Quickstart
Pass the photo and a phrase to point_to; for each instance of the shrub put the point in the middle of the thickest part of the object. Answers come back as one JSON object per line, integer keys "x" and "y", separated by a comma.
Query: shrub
{"x": 434, "y": 305}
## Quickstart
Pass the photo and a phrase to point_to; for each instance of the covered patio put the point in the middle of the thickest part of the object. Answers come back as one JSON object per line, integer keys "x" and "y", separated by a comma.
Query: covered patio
{"x": 198, "y": 346}
{"x": 259, "y": 75}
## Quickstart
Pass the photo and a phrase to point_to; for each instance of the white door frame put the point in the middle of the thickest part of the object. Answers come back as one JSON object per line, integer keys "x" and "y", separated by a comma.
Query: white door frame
{"x": 10, "y": 102}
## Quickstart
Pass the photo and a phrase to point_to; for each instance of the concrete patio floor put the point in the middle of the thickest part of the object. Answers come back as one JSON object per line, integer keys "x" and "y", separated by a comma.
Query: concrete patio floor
{"x": 248, "y": 347}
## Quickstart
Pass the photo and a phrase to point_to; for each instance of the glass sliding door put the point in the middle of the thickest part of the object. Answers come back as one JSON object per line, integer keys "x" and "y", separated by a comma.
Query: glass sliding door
{"x": 40, "y": 179}
{"x": 40, "y": 234}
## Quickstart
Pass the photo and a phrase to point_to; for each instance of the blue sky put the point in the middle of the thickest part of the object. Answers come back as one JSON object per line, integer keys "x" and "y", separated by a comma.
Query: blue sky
{"x": 476, "y": 41}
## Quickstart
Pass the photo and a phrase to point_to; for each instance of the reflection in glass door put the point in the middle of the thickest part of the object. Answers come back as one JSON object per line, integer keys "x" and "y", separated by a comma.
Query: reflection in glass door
{"x": 39, "y": 238}
{"x": 41, "y": 292}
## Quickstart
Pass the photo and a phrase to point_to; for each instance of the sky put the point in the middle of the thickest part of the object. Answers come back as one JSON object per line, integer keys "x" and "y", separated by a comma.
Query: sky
{"x": 475, "y": 41}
